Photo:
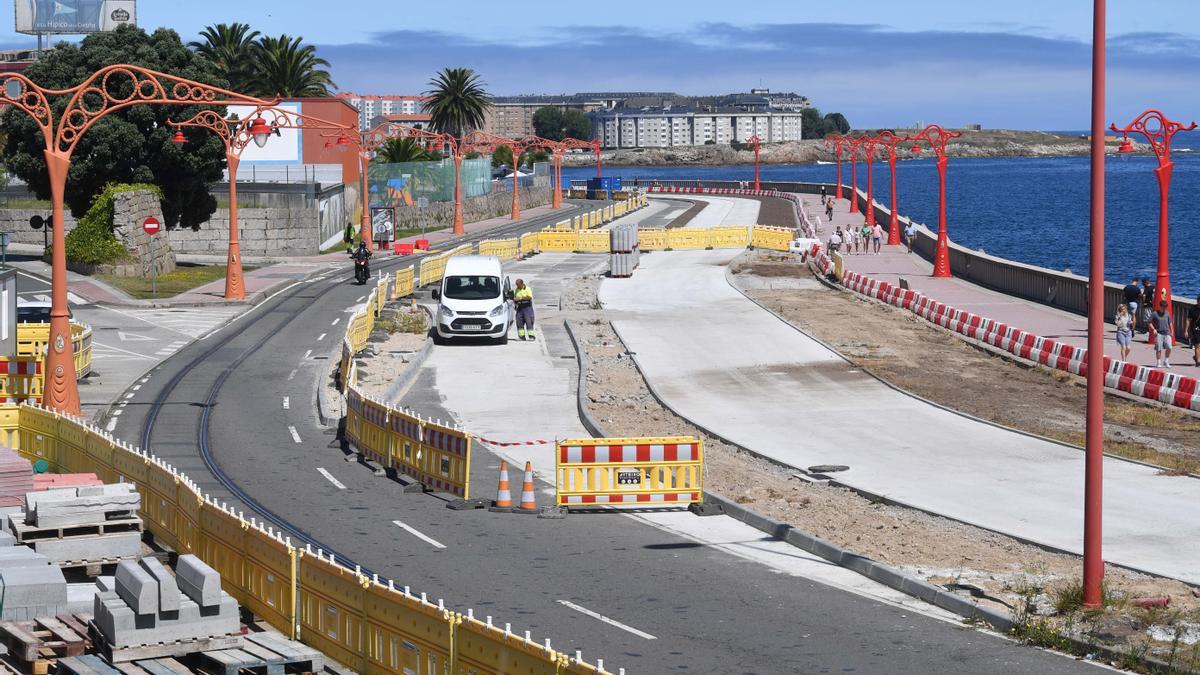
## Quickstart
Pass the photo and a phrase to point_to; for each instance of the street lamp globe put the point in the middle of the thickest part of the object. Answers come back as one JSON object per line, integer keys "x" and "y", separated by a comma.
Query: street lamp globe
{"x": 343, "y": 143}
{"x": 259, "y": 131}
{"x": 179, "y": 138}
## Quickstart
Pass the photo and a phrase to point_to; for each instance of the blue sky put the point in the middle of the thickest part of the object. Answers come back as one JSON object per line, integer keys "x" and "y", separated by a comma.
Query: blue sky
{"x": 1017, "y": 64}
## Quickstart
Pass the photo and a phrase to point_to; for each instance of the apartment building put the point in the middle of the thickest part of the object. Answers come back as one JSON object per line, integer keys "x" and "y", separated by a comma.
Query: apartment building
{"x": 512, "y": 116}
{"x": 370, "y": 107}
{"x": 676, "y": 127}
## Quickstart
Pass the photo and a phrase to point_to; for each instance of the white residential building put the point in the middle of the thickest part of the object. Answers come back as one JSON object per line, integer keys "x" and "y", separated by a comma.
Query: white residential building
{"x": 370, "y": 107}
{"x": 676, "y": 127}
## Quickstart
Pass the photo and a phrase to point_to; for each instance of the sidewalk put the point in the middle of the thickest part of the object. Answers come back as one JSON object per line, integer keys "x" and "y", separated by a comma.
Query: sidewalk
{"x": 894, "y": 263}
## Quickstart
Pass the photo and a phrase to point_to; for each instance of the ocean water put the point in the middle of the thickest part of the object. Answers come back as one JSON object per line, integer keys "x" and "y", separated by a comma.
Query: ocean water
{"x": 1035, "y": 210}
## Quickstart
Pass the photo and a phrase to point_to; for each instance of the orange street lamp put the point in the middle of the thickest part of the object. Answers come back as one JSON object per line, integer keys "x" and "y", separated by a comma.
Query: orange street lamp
{"x": 237, "y": 135}
{"x": 937, "y": 138}
{"x": 480, "y": 140}
{"x": 837, "y": 143}
{"x": 109, "y": 89}
{"x": 891, "y": 140}
{"x": 868, "y": 145}
{"x": 855, "y": 144}
{"x": 754, "y": 140}
{"x": 554, "y": 148}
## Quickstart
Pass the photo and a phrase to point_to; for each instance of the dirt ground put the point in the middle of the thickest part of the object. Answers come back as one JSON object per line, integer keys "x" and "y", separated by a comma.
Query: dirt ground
{"x": 1037, "y": 587}
{"x": 399, "y": 334}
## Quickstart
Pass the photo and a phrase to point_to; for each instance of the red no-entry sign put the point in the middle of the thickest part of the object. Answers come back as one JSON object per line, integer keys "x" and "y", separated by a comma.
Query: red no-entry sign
{"x": 151, "y": 225}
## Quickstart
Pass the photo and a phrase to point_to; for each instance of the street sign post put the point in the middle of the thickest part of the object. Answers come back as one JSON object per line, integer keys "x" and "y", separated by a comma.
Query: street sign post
{"x": 39, "y": 223}
{"x": 152, "y": 226}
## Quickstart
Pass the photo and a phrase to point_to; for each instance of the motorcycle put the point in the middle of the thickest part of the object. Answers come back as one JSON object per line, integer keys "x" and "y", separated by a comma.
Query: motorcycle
{"x": 362, "y": 270}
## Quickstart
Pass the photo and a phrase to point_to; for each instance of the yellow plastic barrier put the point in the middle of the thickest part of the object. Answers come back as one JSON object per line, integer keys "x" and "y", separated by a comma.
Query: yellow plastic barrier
{"x": 774, "y": 238}
{"x": 365, "y": 623}
{"x": 431, "y": 270}
{"x": 556, "y": 240}
{"x": 839, "y": 265}
{"x": 652, "y": 239}
{"x": 504, "y": 249}
{"x": 21, "y": 379}
{"x": 687, "y": 237}
{"x": 346, "y": 366}
{"x": 592, "y": 241}
{"x": 577, "y": 223}
{"x": 629, "y": 472}
{"x": 33, "y": 337}
{"x": 529, "y": 243}
{"x": 729, "y": 237}
{"x": 381, "y": 294}
{"x": 403, "y": 285}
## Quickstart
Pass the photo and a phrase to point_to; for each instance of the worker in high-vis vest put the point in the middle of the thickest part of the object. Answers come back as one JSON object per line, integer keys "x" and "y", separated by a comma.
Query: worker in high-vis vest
{"x": 523, "y": 299}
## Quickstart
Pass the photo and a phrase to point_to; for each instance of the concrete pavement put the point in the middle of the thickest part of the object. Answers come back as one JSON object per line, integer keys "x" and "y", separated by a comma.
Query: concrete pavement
{"x": 722, "y": 211}
{"x": 732, "y": 367}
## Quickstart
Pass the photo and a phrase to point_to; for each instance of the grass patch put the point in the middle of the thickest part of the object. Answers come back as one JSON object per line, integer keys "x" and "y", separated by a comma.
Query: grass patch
{"x": 1148, "y": 416}
{"x": 1176, "y": 465}
{"x": 185, "y": 277}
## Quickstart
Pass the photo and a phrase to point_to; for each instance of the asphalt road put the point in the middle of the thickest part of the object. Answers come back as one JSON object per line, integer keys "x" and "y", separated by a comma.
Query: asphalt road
{"x": 247, "y": 394}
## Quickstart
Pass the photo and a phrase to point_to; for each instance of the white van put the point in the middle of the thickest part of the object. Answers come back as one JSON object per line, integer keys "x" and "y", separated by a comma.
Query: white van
{"x": 474, "y": 299}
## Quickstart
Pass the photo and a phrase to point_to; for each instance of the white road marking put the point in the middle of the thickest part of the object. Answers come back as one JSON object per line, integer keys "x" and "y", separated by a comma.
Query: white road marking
{"x": 295, "y": 434}
{"x": 129, "y": 395}
{"x": 123, "y": 351}
{"x": 292, "y": 374}
{"x": 605, "y": 619}
{"x": 133, "y": 337}
{"x": 336, "y": 483}
{"x": 361, "y": 299}
{"x": 429, "y": 540}
{"x": 117, "y": 412}
{"x": 335, "y": 321}
{"x": 307, "y": 354}
{"x": 136, "y": 387}
{"x": 112, "y": 424}
{"x": 287, "y": 403}
{"x": 320, "y": 337}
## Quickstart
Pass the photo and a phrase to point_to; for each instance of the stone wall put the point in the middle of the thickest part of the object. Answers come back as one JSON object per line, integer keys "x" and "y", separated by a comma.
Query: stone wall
{"x": 130, "y": 210}
{"x": 16, "y": 223}
{"x": 261, "y": 231}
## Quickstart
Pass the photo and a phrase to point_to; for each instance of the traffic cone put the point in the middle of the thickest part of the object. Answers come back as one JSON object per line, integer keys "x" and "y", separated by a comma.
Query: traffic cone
{"x": 413, "y": 307}
{"x": 503, "y": 501}
{"x": 528, "y": 497}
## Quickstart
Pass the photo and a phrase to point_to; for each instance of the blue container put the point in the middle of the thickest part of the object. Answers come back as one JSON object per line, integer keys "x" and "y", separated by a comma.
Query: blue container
{"x": 609, "y": 183}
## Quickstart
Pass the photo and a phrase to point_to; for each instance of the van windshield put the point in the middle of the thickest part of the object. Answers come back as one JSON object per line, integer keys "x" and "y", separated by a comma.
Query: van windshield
{"x": 472, "y": 288}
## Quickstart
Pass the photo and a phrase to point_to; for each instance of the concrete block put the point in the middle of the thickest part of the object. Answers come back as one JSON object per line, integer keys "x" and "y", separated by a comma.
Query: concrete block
{"x": 84, "y": 505}
{"x": 199, "y": 581}
{"x": 94, "y": 548}
{"x": 81, "y": 597}
{"x": 106, "y": 583}
{"x": 34, "y": 586}
{"x": 137, "y": 588}
{"x": 7, "y": 539}
{"x": 168, "y": 590}
{"x": 21, "y": 556}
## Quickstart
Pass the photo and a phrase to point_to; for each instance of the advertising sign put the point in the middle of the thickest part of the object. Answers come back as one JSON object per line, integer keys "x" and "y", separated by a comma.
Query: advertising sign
{"x": 73, "y": 16}
{"x": 283, "y": 148}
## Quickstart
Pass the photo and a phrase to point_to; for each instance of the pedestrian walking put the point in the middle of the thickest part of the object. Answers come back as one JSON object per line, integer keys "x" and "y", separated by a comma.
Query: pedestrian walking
{"x": 823, "y": 194}
{"x": 910, "y": 233}
{"x": 1124, "y": 324}
{"x": 1193, "y": 326}
{"x": 852, "y": 233}
{"x": 877, "y": 237}
{"x": 829, "y": 209}
{"x": 523, "y": 298}
{"x": 1133, "y": 299}
{"x": 1160, "y": 321}
{"x": 1147, "y": 308}
{"x": 835, "y": 241}
{"x": 865, "y": 232}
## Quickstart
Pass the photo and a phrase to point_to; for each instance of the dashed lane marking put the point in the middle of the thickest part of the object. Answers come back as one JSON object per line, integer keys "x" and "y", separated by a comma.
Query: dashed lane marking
{"x": 295, "y": 434}
{"x": 328, "y": 476}
{"x": 427, "y": 539}
{"x": 306, "y": 355}
{"x": 292, "y": 374}
{"x": 605, "y": 619}
{"x": 320, "y": 337}
{"x": 335, "y": 321}
{"x": 287, "y": 403}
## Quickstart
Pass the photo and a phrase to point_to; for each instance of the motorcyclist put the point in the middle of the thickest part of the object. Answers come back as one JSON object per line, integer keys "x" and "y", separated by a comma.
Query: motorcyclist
{"x": 363, "y": 254}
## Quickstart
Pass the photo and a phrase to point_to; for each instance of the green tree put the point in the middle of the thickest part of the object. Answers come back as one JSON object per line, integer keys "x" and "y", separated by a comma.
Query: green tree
{"x": 836, "y": 123}
{"x": 288, "y": 68}
{"x": 132, "y": 145}
{"x": 233, "y": 50}
{"x": 553, "y": 123}
{"x": 814, "y": 125}
{"x": 502, "y": 155}
{"x": 458, "y": 101}
{"x": 400, "y": 150}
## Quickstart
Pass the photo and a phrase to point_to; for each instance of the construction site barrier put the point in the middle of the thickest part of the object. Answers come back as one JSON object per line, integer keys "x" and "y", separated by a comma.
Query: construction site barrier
{"x": 402, "y": 284}
{"x": 367, "y": 623}
{"x": 381, "y": 293}
{"x": 557, "y": 240}
{"x": 687, "y": 237}
{"x": 529, "y": 243}
{"x": 32, "y": 339}
{"x": 774, "y": 238}
{"x": 592, "y": 241}
{"x": 629, "y": 471}
{"x": 729, "y": 237}
{"x": 21, "y": 379}
{"x": 504, "y": 249}
{"x": 652, "y": 239}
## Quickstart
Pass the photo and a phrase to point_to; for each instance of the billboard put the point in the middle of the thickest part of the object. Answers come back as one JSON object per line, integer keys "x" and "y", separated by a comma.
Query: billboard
{"x": 73, "y": 16}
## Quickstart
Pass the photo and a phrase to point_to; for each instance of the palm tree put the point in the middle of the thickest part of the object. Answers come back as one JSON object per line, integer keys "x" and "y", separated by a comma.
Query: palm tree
{"x": 458, "y": 101}
{"x": 400, "y": 150}
{"x": 231, "y": 48}
{"x": 288, "y": 69}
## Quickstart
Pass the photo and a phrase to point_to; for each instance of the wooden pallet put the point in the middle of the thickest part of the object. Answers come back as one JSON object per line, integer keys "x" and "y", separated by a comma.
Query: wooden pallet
{"x": 37, "y": 640}
{"x": 267, "y": 653}
{"x": 119, "y": 655}
{"x": 27, "y": 534}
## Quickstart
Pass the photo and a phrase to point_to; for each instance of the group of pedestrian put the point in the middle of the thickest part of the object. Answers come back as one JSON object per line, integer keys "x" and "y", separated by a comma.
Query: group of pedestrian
{"x": 1141, "y": 313}
{"x": 858, "y": 240}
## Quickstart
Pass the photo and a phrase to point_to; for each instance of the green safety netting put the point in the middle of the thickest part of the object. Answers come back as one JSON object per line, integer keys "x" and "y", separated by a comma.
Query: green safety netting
{"x": 396, "y": 185}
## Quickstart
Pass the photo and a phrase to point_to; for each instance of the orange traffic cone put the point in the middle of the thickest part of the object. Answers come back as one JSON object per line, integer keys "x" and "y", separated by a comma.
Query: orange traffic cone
{"x": 503, "y": 495}
{"x": 413, "y": 308}
{"x": 528, "y": 497}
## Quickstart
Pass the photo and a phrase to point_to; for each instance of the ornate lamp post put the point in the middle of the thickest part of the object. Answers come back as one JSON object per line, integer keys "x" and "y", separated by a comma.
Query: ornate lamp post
{"x": 1158, "y": 130}
{"x": 552, "y": 147}
{"x": 573, "y": 144}
{"x": 937, "y": 138}
{"x": 854, "y": 143}
{"x": 891, "y": 140}
{"x": 868, "y": 146}
{"x": 754, "y": 140}
{"x": 236, "y": 135}
{"x": 108, "y": 89}
{"x": 836, "y": 142}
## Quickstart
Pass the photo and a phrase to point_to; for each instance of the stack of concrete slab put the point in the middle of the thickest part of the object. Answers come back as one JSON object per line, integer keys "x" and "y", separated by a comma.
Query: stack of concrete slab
{"x": 85, "y": 525}
{"x": 49, "y": 481}
{"x": 16, "y": 477}
{"x": 32, "y": 587}
{"x": 151, "y": 613}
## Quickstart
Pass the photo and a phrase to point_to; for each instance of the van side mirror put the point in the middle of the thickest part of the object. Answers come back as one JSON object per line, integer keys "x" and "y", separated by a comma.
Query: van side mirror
{"x": 508, "y": 295}
{"x": 437, "y": 294}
